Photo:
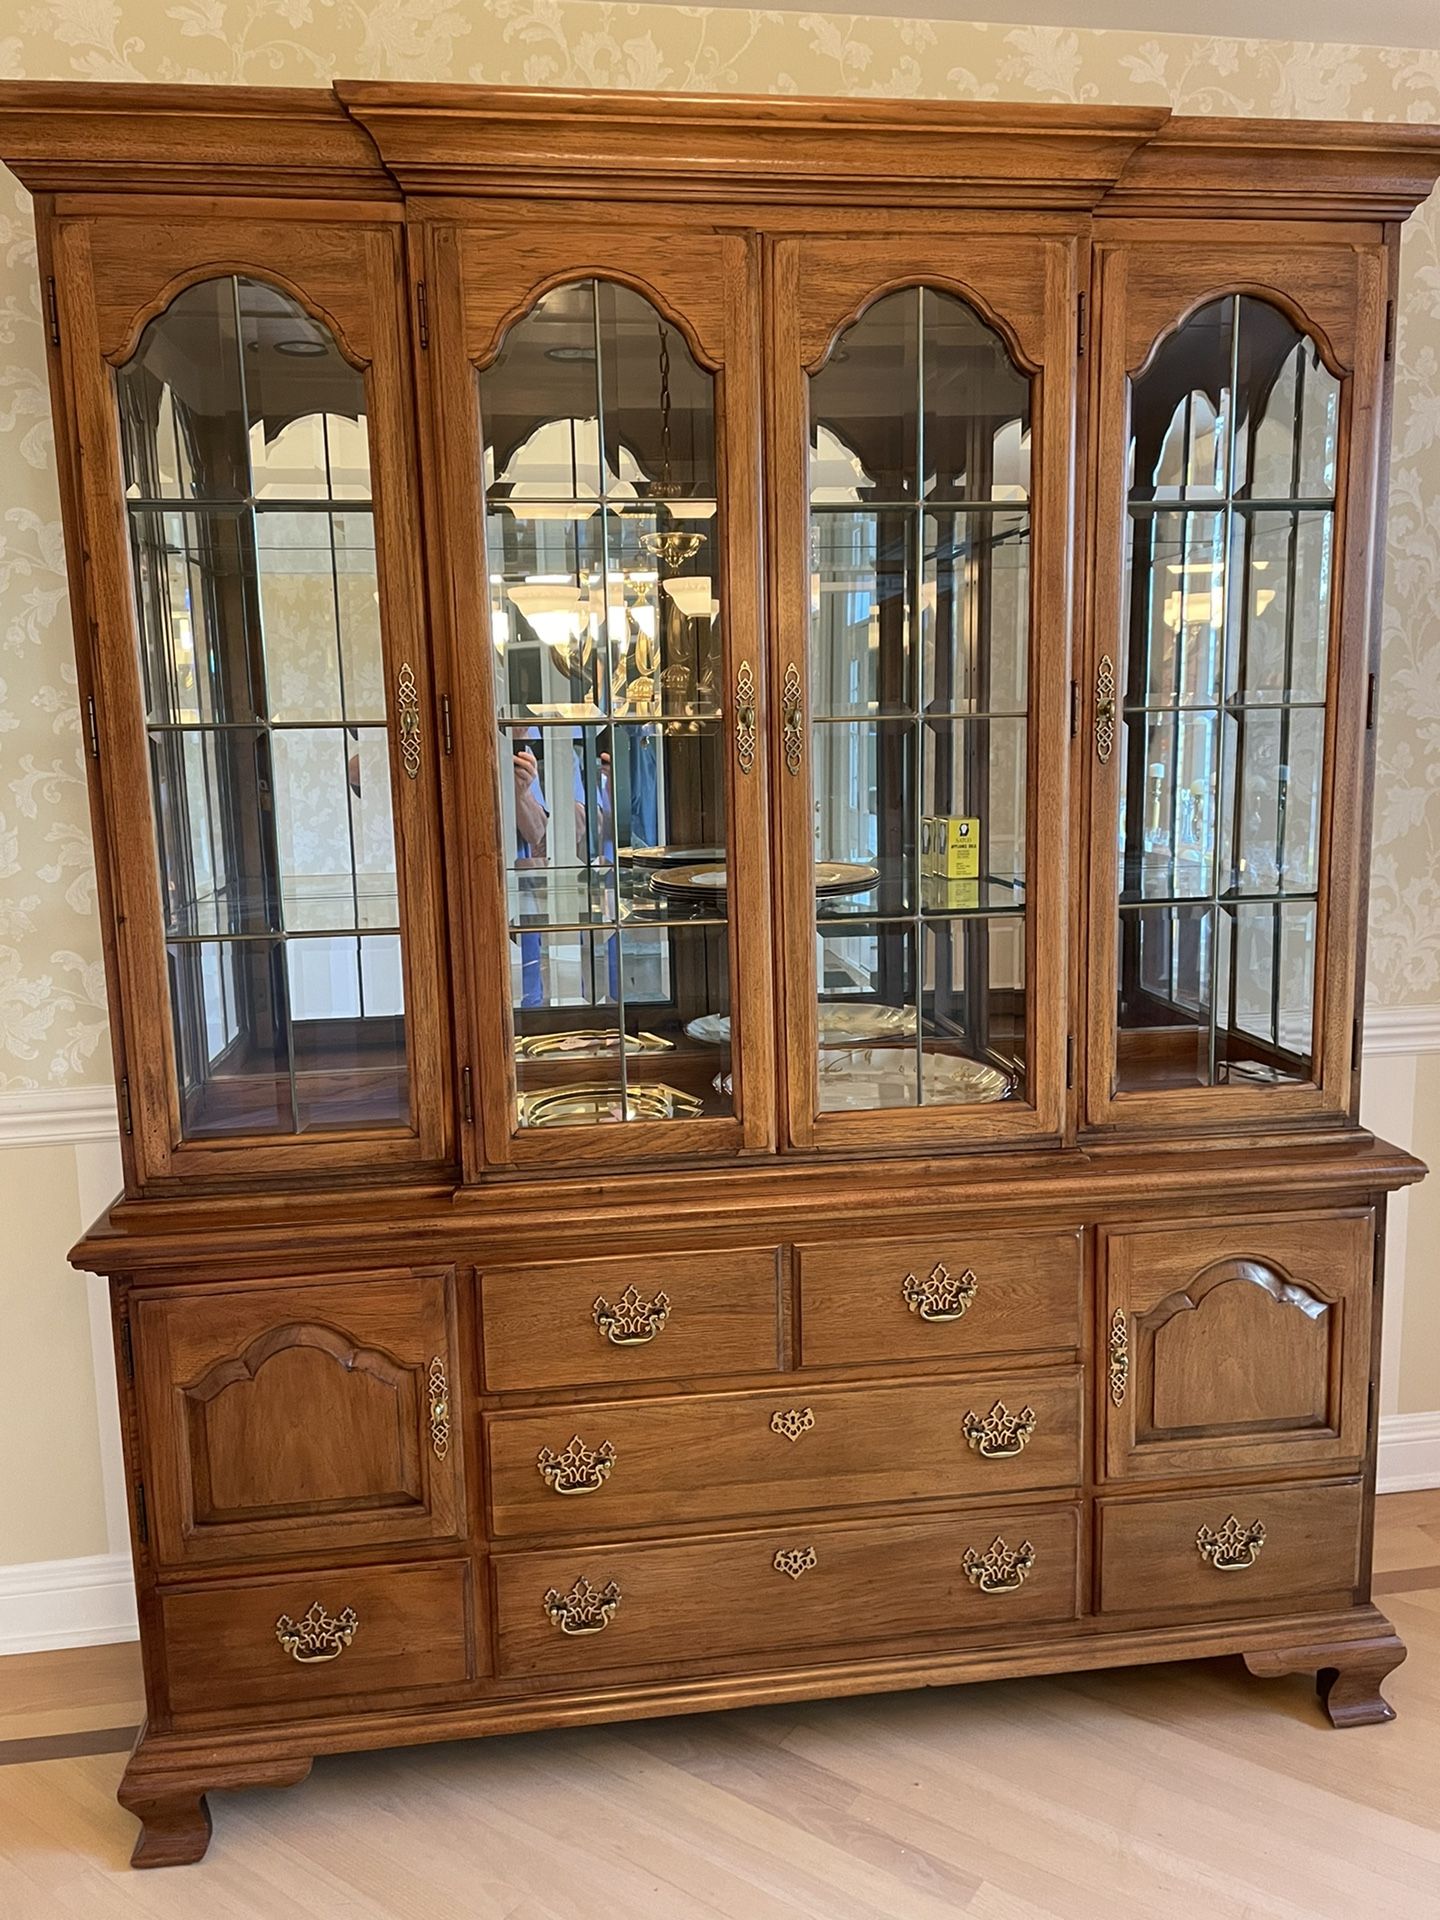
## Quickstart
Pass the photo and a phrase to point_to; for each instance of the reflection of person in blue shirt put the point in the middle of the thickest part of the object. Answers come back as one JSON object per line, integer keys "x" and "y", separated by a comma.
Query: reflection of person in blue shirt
{"x": 532, "y": 825}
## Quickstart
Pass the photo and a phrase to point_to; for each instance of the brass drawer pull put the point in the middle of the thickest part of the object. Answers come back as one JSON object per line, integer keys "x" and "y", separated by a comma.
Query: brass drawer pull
{"x": 1000, "y": 1569}
{"x": 318, "y": 1636}
{"x": 745, "y": 716}
{"x": 792, "y": 1423}
{"x": 1104, "y": 709}
{"x": 1234, "y": 1547}
{"x": 792, "y": 727}
{"x": 999, "y": 1434}
{"x": 940, "y": 1297}
{"x": 1119, "y": 1357}
{"x": 439, "y": 1409}
{"x": 407, "y": 719}
{"x": 631, "y": 1322}
{"x": 797, "y": 1561}
{"x": 579, "y": 1469}
{"x": 583, "y": 1609}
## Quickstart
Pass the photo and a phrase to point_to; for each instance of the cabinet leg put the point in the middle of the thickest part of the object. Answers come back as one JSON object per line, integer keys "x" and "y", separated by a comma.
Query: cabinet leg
{"x": 169, "y": 1800}
{"x": 1348, "y": 1674}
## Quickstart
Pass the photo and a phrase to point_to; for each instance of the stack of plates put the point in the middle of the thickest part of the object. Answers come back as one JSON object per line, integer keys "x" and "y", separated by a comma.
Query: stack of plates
{"x": 707, "y": 880}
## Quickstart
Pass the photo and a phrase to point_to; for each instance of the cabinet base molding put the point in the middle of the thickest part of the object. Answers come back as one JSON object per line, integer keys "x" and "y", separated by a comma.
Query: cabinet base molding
{"x": 1348, "y": 1674}
{"x": 169, "y": 1775}
{"x": 167, "y": 1796}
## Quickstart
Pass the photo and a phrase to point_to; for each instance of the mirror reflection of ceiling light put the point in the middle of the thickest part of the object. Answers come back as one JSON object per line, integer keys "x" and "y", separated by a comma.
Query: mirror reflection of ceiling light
{"x": 692, "y": 594}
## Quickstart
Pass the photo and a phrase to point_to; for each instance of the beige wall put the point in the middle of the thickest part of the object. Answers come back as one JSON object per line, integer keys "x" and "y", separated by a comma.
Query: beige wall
{"x": 59, "y": 1492}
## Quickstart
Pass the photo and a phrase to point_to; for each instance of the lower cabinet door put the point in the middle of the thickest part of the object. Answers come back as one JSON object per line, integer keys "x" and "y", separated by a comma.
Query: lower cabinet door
{"x": 299, "y": 1416}
{"x": 578, "y": 1610}
{"x": 1241, "y": 1549}
{"x": 295, "y": 1643}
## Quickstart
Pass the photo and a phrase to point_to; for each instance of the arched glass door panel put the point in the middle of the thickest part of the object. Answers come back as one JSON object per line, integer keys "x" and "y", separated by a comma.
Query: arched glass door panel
{"x": 604, "y": 574}
{"x": 245, "y": 451}
{"x": 1234, "y": 442}
{"x": 920, "y": 430}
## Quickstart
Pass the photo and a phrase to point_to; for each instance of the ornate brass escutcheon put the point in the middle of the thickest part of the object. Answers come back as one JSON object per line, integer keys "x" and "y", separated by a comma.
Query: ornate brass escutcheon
{"x": 745, "y": 716}
{"x": 632, "y": 1321}
{"x": 999, "y": 1434}
{"x": 793, "y": 1422}
{"x": 584, "y": 1609}
{"x": 407, "y": 719}
{"x": 940, "y": 1297}
{"x": 1104, "y": 708}
{"x": 796, "y": 1561}
{"x": 792, "y": 726}
{"x": 1234, "y": 1547}
{"x": 1119, "y": 1356}
{"x": 318, "y": 1636}
{"x": 578, "y": 1468}
{"x": 439, "y": 1408}
{"x": 1000, "y": 1569}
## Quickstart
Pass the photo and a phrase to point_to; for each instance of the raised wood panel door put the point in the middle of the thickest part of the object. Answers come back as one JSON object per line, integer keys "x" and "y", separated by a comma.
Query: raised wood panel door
{"x": 1237, "y": 402}
{"x": 921, "y": 430}
{"x": 596, "y": 429}
{"x": 1237, "y": 1345}
{"x": 290, "y": 1418}
{"x": 246, "y": 531}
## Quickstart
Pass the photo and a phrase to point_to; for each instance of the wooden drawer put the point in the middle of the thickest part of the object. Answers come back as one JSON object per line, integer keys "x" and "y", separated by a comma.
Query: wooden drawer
{"x": 578, "y": 1323}
{"x": 884, "y": 1299}
{"x": 820, "y": 1587}
{"x": 1238, "y": 1345}
{"x": 411, "y": 1634}
{"x": 1151, "y": 1557}
{"x": 719, "y": 1456}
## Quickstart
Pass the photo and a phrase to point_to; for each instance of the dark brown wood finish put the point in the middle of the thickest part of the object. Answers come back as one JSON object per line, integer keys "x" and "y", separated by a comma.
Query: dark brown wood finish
{"x": 460, "y": 1430}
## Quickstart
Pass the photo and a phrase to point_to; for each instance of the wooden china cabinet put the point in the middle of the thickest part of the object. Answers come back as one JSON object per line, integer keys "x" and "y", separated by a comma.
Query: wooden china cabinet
{"x": 730, "y": 746}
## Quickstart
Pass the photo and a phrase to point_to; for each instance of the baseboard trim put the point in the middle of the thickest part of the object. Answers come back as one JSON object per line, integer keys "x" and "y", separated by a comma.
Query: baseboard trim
{"x": 1409, "y": 1452}
{"x": 49, "y": 1604}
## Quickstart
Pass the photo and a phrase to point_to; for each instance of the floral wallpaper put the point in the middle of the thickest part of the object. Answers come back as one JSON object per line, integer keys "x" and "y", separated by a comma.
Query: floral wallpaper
{"x": 52, "y": 1018}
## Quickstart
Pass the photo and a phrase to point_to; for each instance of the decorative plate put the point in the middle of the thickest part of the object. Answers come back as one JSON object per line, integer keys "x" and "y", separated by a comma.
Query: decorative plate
{"x": 867, "y": 1078}
{"x": 594, "y": 1043}
{"x": 841, "y": 1023}
{"x": 584, "y": 1106}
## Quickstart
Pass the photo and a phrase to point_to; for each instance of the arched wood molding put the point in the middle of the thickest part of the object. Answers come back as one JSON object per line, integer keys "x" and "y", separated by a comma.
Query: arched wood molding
{"x": 1284, "y": 1291}
{"x": 818, "y": 340}
{"x": 484, "y": 349}
{"x": 221, "y": 269}
{"x": 1255, "y": 290}
{"x": 315, "y": 1336}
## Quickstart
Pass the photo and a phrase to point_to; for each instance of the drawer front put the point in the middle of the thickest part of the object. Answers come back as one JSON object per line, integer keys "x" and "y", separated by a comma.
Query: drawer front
{"x": 940, "y": 1299}
{"x": 674, "y": 1462}
{"x": 604, "y": 1322}
{"x": 1241, "y": 1548}
{"x": 568, "y": 1611}
{"x": 299, "y": 1641}
{"x": 1238, "y": 1345}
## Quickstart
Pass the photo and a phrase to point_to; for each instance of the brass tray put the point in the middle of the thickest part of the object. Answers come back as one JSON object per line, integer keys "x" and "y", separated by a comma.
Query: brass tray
{"x": 588, "y": 1106}
{"x": 869, "y": 1078}
{"x": 594, "y": 1043}
{"x": 708, "y": 881}
{"x": 845, "y": 1023}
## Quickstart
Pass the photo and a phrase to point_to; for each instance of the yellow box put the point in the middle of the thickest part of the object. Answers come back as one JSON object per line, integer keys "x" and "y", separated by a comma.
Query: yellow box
{"x": 956, "y": 847}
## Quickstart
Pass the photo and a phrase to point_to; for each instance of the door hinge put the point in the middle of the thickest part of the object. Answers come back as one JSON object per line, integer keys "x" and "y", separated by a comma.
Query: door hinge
{"x": 467, "y": 1097}
{"x": 1354, "y": 1042}
{"x": 93, "y": 726}
{"x": 127, "y": 1349}
{"x": 1082, "y": 324}
{"x": 445, "y": 724}
{"x": 1074, "y": 708}
{"x": 1370, "y": 1410}
{"x": 124, "y": 1091}
{"x": 1389, "y": 328}
{"x": 142, "y": 1517}
{"x": 1370, "y": 700}
{"x": 1069, "y": 1061}
{"x": 422, "y": 310}
{"x": 52, "y": 310}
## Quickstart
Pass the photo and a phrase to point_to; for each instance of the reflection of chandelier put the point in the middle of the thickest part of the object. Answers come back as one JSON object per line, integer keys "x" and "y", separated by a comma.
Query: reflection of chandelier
{"x": 674, "y": 547}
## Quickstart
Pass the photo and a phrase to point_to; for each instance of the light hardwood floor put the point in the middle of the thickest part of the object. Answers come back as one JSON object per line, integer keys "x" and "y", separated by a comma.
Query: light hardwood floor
{"x": 1166, "y": 1793}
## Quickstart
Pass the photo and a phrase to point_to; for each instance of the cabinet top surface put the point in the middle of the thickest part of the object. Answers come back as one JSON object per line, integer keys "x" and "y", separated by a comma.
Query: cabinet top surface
{"x": 373, "y": 139}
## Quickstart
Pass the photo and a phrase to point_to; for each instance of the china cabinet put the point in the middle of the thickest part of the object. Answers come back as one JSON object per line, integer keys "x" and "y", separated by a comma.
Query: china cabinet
{"x": 730, "y": 750}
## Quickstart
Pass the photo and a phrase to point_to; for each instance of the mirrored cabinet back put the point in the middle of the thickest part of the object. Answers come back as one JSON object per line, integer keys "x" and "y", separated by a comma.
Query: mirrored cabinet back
{"x": 730, "y": 749}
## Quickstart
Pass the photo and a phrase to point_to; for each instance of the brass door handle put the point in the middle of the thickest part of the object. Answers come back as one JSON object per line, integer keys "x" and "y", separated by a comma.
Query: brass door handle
{"x": 940, "y": 1297}
{"x": 407, "y": 719}
{"x": 578, "y": 1468}
{"x": 439, "y": 1390}
{"x": 999, "y": 1434}
{"x": 1104, "y": 709}
{"x": 318, "y": 1636}
{"x": 1234, "y": 1547}
{"x": 584, "y": 1609}
{"x": 745, "y": 722}
{"x": 631, "y": 1322}
{"x": 1000, "y": 1569}
{"x": 1119, "y": 1356}
{"x": 792, "y": 720}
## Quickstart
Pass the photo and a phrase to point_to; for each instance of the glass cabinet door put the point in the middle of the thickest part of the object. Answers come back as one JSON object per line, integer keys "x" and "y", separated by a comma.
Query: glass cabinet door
{"x": 276, "y": 664}
{"x": 1213, "y": 743}
{"x": 623, "y": 726}
{"x": 914, "y": 733}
